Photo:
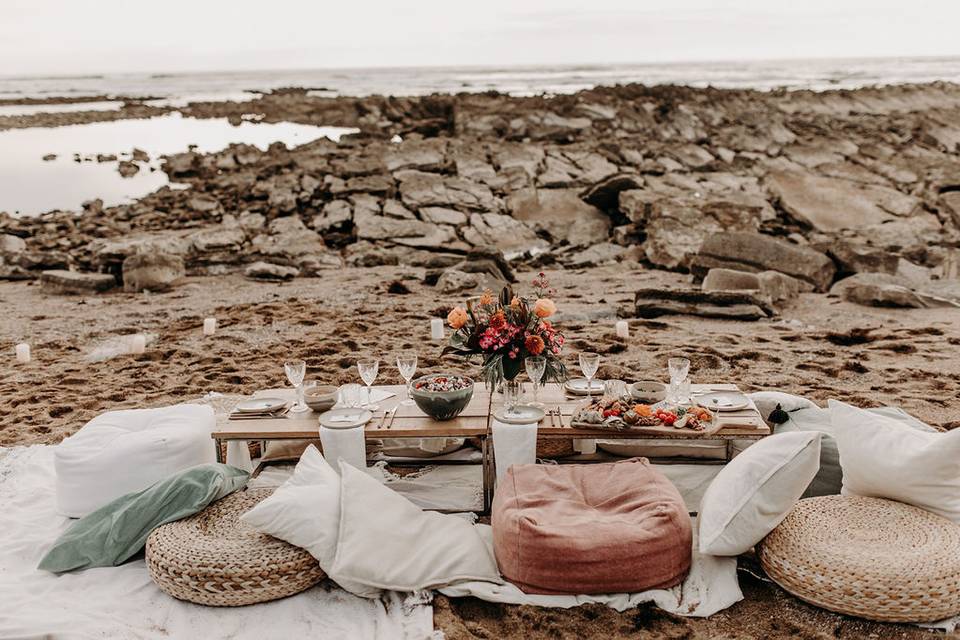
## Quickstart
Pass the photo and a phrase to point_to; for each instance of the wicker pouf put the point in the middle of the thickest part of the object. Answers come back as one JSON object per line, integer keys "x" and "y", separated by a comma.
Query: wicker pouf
{"x": 212, "y": 558}
{"x": 867, "y": 557}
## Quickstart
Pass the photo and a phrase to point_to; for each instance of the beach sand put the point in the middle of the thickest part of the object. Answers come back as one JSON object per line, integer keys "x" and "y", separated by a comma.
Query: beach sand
{"x": 820, "y": 347}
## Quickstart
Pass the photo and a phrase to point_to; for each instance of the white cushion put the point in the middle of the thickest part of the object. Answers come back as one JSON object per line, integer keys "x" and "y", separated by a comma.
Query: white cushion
{"x": 880, "y": 459}
{"x": 755, "y": 491}
{"x": 305, "y": 511}
{"x": 119, "y": 452}
{"x": 767, "y": 401}
{"x": 640, "y": 448}
{"x": 388, "y": 542}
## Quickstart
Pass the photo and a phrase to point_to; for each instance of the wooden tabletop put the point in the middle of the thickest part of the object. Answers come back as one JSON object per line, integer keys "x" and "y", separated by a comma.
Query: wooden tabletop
{"x": 474, "y": 421}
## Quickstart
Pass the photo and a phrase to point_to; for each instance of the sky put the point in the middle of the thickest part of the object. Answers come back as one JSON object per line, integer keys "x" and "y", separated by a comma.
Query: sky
{"x": 72, "y": 37}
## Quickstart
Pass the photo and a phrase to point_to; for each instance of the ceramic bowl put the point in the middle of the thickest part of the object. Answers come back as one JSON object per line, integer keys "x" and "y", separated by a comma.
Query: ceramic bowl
{"x": 441, "y": 405}
{"x": 648, "y": 392}
{"x": 321, "y": 398}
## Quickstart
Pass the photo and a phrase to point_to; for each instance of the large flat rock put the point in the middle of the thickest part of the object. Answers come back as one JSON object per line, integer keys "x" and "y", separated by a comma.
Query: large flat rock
{"x": 653, "y": 303}
{"x": 61, "y": 281}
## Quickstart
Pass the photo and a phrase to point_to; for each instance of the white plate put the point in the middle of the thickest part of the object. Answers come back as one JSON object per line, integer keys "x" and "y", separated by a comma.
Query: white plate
{"x": 578, "y": 386}
{"x": 260, "y": 405}
{"x": 723, "y": 400}
{"x": 520, "y": 414}
{"x": 345, "y": 418}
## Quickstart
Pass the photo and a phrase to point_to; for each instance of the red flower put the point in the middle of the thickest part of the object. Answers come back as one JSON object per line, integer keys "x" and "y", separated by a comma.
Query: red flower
{"x": 498, "y": 320}
{"x": 534, "y": 345}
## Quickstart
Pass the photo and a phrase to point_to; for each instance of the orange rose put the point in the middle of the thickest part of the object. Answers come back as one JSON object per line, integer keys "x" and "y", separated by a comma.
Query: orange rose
{"x": 544, "y": 308}
{"x": 457, "y": 317}
{"x": 534, "y": 345}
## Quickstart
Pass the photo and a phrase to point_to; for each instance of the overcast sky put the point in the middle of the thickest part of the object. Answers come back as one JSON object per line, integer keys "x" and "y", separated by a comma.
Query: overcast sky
{"x": 93, "y": 36}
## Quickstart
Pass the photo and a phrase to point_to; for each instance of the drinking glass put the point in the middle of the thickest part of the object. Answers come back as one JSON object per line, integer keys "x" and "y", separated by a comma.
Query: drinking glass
{"x": 368, "y": 368}
{"x": 678, "y": 369}
{"x": 589, "y": 363}
{"x": 536, "y": 366}
{"x": 295, "y": 370}
{"x": 407, "y": 366}
{"x": 350, "y": 395}
{"x": 614, "y": 388}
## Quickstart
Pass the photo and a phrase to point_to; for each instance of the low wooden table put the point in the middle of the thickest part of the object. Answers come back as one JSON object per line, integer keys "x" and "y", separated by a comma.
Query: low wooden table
{"x": 475, "y": 422}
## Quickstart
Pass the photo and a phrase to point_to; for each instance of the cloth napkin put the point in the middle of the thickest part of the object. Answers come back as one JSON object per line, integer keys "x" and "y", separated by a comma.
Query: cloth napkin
{"x": 344, "y": 444}
{"x": 513, "y": 444}
{"x": 238, "y": 455}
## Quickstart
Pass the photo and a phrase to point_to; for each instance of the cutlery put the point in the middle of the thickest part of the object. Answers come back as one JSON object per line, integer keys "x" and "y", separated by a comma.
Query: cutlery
{"x": 559, "y": 415}
{"x": 393, "y": 415}
{"x": 550, "y": 413}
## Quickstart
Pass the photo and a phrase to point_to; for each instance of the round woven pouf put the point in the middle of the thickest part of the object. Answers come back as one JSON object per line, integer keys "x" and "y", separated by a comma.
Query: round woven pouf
{"x": 214, "y": 559}
{"x": 867, "y": 557}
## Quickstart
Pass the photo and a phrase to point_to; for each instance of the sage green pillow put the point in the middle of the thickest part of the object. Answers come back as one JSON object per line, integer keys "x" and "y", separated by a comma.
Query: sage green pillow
{"x": 117, "y": 531}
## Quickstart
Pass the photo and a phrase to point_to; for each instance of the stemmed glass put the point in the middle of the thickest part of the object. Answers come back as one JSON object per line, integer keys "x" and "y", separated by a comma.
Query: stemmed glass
{"x": 407, "y": 365}
{"x": 295, "y": 370}
{"x": 536, "y": 366}
{"x": 678, "y": 368}
{"x": 589, "y": 363}
{"x": 368, "y": 368}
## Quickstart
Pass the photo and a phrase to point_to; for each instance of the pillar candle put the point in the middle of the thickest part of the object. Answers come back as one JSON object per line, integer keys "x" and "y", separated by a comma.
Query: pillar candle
{"x": 209, "y": 326}
{"x": 623, "y": 329}
{"x": 138, "y": 343}
{"x": 23, "y": 352}
{"x": 436, "y": 329}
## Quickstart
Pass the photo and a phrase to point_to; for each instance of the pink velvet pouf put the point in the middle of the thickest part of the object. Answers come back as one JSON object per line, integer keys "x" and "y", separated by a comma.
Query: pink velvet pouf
{"x": 590, "y": 528}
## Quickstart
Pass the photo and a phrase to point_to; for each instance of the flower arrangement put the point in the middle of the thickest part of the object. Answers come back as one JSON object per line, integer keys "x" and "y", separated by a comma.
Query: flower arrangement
{"x": 507, "y": 329}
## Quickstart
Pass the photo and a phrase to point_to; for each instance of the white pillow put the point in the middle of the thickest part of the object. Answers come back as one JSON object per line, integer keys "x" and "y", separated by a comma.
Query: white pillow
{"x": 880, "y": 459}
{"x": 755, "y": 492}
{"x": 305, "y": 511}
{"x": 767, "y": 401}
{"x": 388, "y": 542}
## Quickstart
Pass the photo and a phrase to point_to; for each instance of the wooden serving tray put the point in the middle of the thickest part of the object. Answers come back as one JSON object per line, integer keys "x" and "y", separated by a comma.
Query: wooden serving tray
{"x": 710, "y": 429}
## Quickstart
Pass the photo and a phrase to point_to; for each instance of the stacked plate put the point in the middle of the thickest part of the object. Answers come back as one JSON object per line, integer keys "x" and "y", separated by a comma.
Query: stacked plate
{"x": 722, "y": 400}
{"x": 254, "y": 408}
{"x": 347, "y": 418}
{"x": 579, "y": 387}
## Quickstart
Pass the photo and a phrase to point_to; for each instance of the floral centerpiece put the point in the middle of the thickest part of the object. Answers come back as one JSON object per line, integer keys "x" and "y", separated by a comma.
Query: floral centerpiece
{"x": 505, "y": 330}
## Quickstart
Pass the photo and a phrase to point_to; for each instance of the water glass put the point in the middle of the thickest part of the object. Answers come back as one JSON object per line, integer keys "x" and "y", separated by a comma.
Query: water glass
{"x": 589, "y": 363}
{"x": 536, "y": 366}
{"x": 368, "y": 368}
{"x": 407, "y": 366}
{"x": 678, "y": 369}
{"x": 350, "y": 395}
{"x": 614, "y": 388}
{"x": 295, "y": 370}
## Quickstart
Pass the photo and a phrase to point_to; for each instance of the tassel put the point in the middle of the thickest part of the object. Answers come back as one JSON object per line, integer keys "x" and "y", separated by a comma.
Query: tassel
{"x": 778, "y": 416}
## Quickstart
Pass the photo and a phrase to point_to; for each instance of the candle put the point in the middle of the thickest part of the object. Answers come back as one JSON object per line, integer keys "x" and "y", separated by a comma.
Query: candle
{"x": 23, "y": 352}
{"x": 436, "y": 329}
{"x": 209, "y": 326}
{"x": 138, "y": 343}
{"x": 623, "y": 329}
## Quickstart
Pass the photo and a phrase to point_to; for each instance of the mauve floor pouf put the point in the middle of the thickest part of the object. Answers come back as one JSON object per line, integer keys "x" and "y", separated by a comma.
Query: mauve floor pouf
{"x": 592, "y": 528}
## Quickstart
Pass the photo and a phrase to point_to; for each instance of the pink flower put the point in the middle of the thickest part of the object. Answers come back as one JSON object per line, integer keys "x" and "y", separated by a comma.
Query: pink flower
{"x": 544, "y": 308}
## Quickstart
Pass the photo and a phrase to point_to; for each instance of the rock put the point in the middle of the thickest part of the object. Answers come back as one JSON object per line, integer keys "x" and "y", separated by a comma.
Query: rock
{"x": 778, "y": 287}
{"x": 922, "y": 229}
{"x": 203, "y": 203}
{"x": 653, "y": 303}
{"x": 831, "y": 204}
{"x": 755, "y": 252}
{"x": 503, "y": 233}
{"x": 252, "y": 221}
{"x": 179, "y": 164}
{"x": 693, "y": 156}
{"x": 110, "y": 253}
{"x": 857, "y": 258}
{"x": 395, "y": 209}
{"x": 440, "y": 215}
{"x": 885, "y": 290}
{"x": 152, "y": 271}
{"x": 127, "y": 169}
{"x": 454, "y": 281}
{"x": 11, "y": 245}
{"x": 411, "y": 233}
{"x": 271, "y": 272}
{"x": 68, "y": 282}
{"x": 106, "y": 157}
{"x": 315, "y": 264}
{"x": 139, "y": 155}
{"x": 489, "y": 261}
{"x": 288, "y": 241}
{"x": 524, "y": 157}
{"x": 475, "y": 168}
{"x": 49, "y": 157}
{"x": 419, "y": 189}
{"x": 561, "y": 214}
{"x": 425, "y": 155}
{"x": 228, "y": 240}
{"x": 730, "y": 280}
{"x": 598, "y": 254}
{"x": 605, "y": 194}
{"x": 335, "y": 213}
{"x": 92, "y": 207}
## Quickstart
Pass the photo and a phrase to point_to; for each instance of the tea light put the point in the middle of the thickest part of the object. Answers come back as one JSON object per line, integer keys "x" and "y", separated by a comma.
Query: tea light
{"x": 138, "y": 343}
{"x": 623, "y": 329}
{"x": 436, "y": 329}
{"x": 209, "y": 326}
{"x": 23, "y": 353}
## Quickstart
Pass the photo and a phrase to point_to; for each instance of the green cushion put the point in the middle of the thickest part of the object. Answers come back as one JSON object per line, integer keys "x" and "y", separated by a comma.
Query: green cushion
{"x": 114, "y": 533}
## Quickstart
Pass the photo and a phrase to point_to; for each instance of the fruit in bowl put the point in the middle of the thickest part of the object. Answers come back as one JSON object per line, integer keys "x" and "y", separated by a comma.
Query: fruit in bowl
{"x": 442, "y": 396}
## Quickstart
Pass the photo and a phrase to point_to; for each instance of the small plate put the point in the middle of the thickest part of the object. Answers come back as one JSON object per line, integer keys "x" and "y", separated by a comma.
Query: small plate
{"x": 723, "y": 401}
{"x": 345, "y": 418}
{"x": 260, "y": 405}
{"x": 578, "y": 387}
{"x": 520, "y": 414}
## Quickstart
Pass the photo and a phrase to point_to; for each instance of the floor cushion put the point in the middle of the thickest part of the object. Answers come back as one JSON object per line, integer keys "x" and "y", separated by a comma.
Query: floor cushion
{"x": 587, "y": 529}
{"x": 120, "y": 452}
{"x": 867, "y": 557}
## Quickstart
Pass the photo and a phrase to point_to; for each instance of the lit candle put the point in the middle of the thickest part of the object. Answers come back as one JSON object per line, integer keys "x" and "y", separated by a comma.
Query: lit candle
{"x": 623, "y": 329}
{"x": 436, "y": 329}
{"x": 23, "y": 352}
{"x": 209, "y": 326}
{"x": 138, "y": 343}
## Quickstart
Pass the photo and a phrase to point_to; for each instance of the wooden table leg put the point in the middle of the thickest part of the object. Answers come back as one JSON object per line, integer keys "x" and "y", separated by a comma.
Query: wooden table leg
{"x": 487, "y": 474}
{"x": 219, "y": 448}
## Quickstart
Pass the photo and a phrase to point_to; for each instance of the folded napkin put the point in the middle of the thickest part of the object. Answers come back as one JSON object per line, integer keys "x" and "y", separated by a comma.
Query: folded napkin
{"x": 238, "y": 455}
{"x": 513, "y": 444}
{"x": 348, "y": 445}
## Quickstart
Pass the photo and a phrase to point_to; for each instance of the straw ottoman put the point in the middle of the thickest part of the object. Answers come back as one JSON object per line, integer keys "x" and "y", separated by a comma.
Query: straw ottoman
{"x": 212, "y": 558}
{"x": 867, "y": 557}
{"x": 591, "y": 528}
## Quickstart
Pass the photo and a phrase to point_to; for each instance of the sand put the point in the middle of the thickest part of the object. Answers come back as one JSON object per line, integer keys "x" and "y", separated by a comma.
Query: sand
{"x": 820, "y": 347}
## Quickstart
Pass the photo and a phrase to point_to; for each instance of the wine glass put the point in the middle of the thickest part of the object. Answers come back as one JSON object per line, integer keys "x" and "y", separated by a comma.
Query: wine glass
{"x": 536, "y": 366}
{"x": 368, "y": 368}
{"x": 295, "y": 370}
{"x": 678, "y": 369}
{"x": 589, "y": 363}
{"x": 407, "y": 365}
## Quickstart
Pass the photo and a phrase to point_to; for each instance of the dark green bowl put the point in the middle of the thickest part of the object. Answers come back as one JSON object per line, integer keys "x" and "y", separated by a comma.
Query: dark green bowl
{"x": 441, "y": 405}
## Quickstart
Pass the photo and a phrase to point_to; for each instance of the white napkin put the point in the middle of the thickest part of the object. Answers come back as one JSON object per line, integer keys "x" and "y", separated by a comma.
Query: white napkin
{"x": 345, "y": 444}
{"x": 513, "y": 444}
{"x": 238, "y": 455}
